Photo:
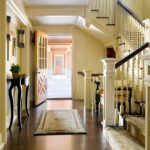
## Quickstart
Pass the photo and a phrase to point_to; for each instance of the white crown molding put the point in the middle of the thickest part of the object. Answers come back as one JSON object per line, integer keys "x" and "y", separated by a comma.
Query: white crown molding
{"x": 56, "y": 10}
{"x": 56, "y": 29}
{"x": 18, "y": 13}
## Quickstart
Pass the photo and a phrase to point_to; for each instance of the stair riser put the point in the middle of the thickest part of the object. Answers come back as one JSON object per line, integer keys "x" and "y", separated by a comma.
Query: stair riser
{"x": 135, "y": 132}
{"x": 0, "y": 139}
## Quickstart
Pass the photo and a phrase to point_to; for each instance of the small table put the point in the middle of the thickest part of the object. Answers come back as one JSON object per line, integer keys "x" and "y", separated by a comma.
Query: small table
{"x": 18, "y": 82}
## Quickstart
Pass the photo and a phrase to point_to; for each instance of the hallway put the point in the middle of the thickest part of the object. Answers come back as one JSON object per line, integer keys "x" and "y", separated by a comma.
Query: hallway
{"x": 59, "y": 86}
{"x": 24, "y": 139}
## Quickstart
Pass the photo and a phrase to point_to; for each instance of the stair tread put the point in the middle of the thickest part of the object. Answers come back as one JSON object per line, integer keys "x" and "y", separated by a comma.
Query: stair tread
{"x": 1, "y": 146}
{"x": 137, "y": 122}
{"x": 120, "y": 139}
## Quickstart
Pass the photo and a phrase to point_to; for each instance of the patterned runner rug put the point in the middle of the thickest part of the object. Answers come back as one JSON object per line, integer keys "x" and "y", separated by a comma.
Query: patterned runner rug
{"x": 60, "y": 122}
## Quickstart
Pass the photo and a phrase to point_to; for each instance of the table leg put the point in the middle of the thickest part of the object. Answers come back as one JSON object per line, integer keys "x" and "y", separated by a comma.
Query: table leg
{"x": 19, "y": 106}
{"x": 26, "y": 100}
{"x": 11, "y": 106}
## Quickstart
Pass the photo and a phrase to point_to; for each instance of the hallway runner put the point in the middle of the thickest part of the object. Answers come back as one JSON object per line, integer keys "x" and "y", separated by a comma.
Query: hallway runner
{"x": 60, "y": 122}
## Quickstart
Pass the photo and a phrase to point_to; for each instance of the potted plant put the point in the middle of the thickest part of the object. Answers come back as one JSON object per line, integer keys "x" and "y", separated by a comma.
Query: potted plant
{"x": 15, "y": 69}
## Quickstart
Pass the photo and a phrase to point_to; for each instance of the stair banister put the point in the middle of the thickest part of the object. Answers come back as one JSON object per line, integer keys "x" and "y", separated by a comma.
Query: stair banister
{"x": 131, "y": 55}
{"x": 109, "y": 84}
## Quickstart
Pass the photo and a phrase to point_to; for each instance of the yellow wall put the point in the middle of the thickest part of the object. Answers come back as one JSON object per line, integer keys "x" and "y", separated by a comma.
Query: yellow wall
{"x": 87, "y": 55}
{"x": 14, "y": 26}
{"x": 140, "y": 7}
{"x": 3, "y": 70}
{"x": 146, "y": 9}
{"x": 135, "y": 5}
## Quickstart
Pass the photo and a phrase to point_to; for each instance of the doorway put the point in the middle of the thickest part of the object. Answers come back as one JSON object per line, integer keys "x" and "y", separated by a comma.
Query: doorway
{"x": 59, "y": 64}
{"x": 59, "y": 67}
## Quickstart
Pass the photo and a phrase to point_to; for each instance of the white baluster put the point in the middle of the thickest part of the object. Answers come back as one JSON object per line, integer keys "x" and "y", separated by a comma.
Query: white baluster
{"x": 116, "y": 120}
{"x": 133, "y": 87}
{"x": 122, "y": 97}
{"x": 127, "y": 90}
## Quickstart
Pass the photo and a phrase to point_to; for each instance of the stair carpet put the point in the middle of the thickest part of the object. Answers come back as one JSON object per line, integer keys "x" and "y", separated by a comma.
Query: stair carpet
{"x": 132, "y": 138}
{"x": 1, "y": 144}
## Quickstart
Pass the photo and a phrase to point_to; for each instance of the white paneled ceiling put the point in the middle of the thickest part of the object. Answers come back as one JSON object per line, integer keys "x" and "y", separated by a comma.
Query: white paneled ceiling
{"x": 48, "y": 13}
{"x": 55, "y": 2}
{"x": 55, "y": 20}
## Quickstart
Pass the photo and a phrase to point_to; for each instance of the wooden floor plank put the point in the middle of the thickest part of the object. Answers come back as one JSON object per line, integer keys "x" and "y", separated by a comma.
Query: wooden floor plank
{"x": 25, "y": 140}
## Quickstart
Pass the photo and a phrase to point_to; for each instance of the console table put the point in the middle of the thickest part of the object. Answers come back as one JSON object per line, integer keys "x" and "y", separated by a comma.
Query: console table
{"x": 18, "y": 82}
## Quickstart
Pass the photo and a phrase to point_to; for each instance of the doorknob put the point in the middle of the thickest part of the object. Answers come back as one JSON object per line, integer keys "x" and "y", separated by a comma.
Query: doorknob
{"x": 39, "y": 72}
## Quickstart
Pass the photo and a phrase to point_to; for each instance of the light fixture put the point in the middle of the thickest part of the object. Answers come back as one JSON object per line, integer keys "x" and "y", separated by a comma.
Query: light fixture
{"x": 21, "y": 38}
{"x": 8, "y": 27}
{"x": 8, "y": 35}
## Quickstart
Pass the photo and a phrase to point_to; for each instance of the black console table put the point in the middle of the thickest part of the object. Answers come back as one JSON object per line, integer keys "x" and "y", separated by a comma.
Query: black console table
{"x": 18, "y": 82}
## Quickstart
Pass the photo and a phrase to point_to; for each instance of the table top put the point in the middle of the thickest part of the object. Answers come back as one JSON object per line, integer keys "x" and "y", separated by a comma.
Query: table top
{"x": 23, "y": 79}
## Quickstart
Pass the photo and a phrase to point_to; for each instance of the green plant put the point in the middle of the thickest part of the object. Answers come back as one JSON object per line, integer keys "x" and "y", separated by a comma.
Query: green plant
{"x": 15, "y": 68}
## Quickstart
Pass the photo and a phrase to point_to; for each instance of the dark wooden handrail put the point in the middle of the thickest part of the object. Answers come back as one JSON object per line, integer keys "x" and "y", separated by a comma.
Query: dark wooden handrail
{"x": 93, "y": 74}
{"x": 131, "y": 55}
{"x": 96, "y": 74}
{"x": 81, "y": 73}
{"x": 127, "y": 9}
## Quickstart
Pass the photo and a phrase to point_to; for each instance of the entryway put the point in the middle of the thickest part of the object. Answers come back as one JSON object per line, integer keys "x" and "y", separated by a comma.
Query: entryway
{"x": 59, "y": 67}
{"x": 59, "y": 86}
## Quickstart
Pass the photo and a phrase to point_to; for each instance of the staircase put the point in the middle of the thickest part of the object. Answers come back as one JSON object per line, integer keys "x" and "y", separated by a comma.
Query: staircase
{"x": 131, "y": 138}
{"x": 1, "y": 144}
{"x": 127, "y": 130}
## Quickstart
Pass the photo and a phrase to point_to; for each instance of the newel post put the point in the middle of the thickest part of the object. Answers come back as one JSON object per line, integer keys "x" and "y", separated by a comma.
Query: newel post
{"x": 146, "y": 59}
{"x": 87, "y": 90}
{"x": 109, "y": 91}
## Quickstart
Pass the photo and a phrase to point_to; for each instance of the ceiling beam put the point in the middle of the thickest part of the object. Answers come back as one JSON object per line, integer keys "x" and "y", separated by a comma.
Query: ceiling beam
{"x": 56, "y": 10}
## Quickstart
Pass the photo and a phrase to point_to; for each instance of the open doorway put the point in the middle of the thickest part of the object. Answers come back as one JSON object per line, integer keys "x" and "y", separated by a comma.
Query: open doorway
{"x": 59, "y": 67}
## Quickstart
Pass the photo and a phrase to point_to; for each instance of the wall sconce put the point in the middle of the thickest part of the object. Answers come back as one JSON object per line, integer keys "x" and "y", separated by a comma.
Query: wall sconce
{"x": 21, "y": 38}
{"x": 8, "y": 35}
{"x": 8, "y": 27}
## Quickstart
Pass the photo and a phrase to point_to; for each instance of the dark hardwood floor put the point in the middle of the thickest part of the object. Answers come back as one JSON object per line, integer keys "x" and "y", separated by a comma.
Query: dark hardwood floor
{"x": 25, "y": 140}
